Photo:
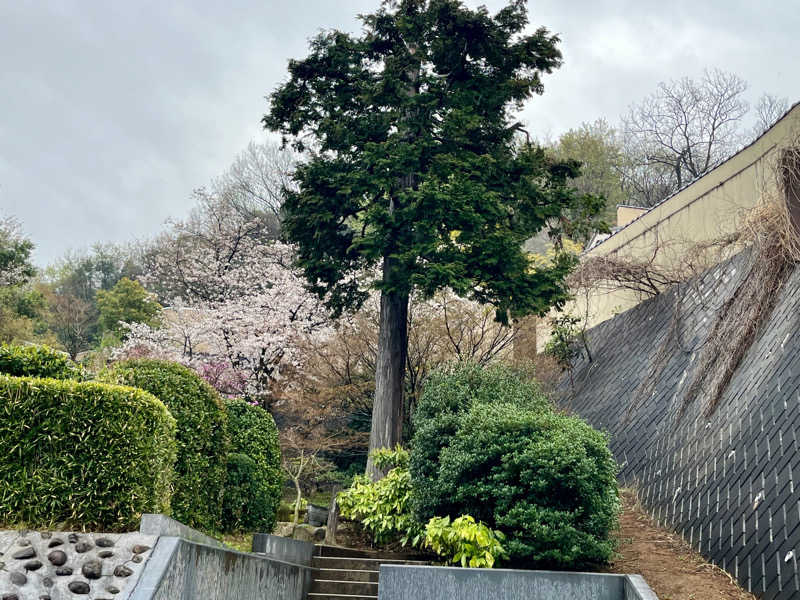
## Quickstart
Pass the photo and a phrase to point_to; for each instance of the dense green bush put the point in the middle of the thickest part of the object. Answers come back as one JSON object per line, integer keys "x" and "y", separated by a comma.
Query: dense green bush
{"x": 546, "y": 480}
{"x": 249, "y": 501}
{"x": 447, "y": 394}
{"x": 253, "y": 435}
{"x": 201, "y": 466}
{"x": 37, "y": 361}
{"x": 82, "y": 454}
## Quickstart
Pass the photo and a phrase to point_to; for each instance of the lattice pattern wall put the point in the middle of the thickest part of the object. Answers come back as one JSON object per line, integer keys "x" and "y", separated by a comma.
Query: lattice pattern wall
{"x": 729, "y": 483}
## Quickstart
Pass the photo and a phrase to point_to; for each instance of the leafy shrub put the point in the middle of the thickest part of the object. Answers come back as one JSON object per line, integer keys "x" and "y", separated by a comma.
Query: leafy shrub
{"x": 546, "y": 480}
{"x": 564, "y": 343}
{"x": 201, "y": 466}
{"x": 37, "y": 361}
{"x": 253, "y": 435}
{"x": 448, "y": 393}
{"x": 383, "y": 507}
{"x": 386, "y": 458}
{"x": 464, "y": 541}
{"x": 83, "y": 454}
{"x": 249, "y": 500}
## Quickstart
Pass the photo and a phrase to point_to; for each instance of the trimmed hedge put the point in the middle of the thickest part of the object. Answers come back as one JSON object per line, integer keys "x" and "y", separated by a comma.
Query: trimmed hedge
{"x": 88, "y": 455}
{"x": 545, "y": 480}
{"x": 249, "y": 503}
{"x": 37, "y": 361}
{"x": 253, "y": 436}
{"x": 201, "y": 466}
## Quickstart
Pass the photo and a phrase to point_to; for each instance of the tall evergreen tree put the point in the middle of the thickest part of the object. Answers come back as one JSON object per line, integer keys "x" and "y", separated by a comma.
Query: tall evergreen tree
{"x": 414, "y": 176}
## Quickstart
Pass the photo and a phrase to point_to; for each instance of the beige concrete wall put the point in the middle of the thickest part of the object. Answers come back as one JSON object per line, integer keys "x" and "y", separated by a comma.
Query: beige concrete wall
{"x": 705, "y": 210}
{"x": 627, "y": 214}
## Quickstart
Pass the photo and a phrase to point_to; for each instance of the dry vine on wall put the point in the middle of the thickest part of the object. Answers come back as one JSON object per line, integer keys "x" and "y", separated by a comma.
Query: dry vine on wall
{"x": 770, "y": 232}
{"x": 775, "y": 250}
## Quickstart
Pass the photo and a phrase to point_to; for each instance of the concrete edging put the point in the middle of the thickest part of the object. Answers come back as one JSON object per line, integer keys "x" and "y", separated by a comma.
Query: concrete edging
{"x": 156, "y": 524}
{"x": 283, "y": 549}
{"x": 180, "y": 569}
{"x": 185, "y": 564}
{"x": 412, "y": 582}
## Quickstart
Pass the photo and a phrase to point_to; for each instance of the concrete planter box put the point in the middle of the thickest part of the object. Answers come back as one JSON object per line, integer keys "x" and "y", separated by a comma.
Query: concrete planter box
{"x": 411, "y": 582}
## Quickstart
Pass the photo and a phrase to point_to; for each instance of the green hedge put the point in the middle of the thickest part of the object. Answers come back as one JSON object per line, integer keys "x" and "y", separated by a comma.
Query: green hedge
{"x": 37, "y": 361}
{"x": 545, "y": 480}
{"x": 448, "y": 393}
{"x": 253, "y": 435}
{"x": 82, "y": 454}
{"x": 249, "y": 503}
{"x": 201, "y": 466}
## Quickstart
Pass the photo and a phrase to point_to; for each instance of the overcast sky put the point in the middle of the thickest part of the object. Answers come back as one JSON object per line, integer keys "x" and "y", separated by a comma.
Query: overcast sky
{"x": 112, "y": 112}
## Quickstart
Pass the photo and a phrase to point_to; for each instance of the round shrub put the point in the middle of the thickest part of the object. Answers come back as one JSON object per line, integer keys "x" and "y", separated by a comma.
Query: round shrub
{"x": 447, "y": 394}
{"x": 545, "y": 480}
{"x": 455, "y": 387}
{"x": 249, "y": 503}
{"x": 201, "y": 466}
{"x": 83, "y": 455}
{"x": 37, "y": 361}
{"x": 487, "y": 443}
{"x": 253, "y": 434}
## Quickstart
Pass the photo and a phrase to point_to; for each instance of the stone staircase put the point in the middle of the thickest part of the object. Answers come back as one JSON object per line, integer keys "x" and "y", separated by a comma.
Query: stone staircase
{"x": 347, "y": 574}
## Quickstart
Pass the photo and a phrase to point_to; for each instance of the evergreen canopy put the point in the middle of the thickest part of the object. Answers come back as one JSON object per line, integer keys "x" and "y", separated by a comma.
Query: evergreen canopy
{"x": 414, "y": 159}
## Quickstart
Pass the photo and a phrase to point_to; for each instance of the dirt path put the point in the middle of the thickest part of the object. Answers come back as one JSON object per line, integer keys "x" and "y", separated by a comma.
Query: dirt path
{"x": 672, "y": 569}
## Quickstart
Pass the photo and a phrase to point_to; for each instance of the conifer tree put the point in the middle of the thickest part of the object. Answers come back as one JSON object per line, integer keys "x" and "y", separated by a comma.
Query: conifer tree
{"x": 414, "y": 170}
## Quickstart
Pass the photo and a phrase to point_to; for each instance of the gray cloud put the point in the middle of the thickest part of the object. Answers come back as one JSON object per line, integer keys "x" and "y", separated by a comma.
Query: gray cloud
{"x": 114, "y": 111}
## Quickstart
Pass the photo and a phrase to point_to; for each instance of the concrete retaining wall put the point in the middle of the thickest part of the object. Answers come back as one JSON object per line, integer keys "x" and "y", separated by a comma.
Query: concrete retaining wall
{"x": 283, "y": 549}
{"x": 727, "y": 481}
{"x": 152, "y": 524}
{"x": 401, "y": 582}
{"x": 183, "y": 570}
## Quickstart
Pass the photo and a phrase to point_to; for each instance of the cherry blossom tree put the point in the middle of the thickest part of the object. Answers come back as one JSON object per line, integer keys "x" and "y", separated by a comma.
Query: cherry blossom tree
{"x": 236, "y": 309}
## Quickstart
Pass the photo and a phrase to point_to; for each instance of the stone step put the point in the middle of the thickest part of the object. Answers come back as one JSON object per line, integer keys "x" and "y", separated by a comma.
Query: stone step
{"x": 323, "y": 550}
{"x": 312, "y": 596}
{"x": 346, "y": 575}
{"x": 344, "y": 588}
{"x": 343, "y": 563}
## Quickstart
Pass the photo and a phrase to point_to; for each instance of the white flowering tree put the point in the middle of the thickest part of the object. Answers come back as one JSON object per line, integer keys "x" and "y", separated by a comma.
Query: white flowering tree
{"x": 237, "y": 311}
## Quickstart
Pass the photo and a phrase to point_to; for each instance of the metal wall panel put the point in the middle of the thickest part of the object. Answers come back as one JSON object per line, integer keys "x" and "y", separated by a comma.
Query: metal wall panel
{"x": 729, "y": 482}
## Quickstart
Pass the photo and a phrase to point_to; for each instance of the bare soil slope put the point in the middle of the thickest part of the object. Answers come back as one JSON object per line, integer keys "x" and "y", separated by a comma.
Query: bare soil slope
{"x": 672, "y": 569}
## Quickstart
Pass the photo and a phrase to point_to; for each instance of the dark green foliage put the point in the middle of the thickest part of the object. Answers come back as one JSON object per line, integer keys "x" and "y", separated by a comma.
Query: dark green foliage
{"x": 448, "y": 393}
{"x": 201, "y": 434}
{"x": 254, "y": 437}
{"x": 250, "y": 502}
{"x": 546, "y": 480}
{"x": 37, "y": 361}
{"x": 419, "y": 159}
{"x": 82, "y": 454}
{"x": 76, "y": 279}
{"x": 455, "y": 387}
{"x": 420, "y": 178}
{"x": 126, "y": 302}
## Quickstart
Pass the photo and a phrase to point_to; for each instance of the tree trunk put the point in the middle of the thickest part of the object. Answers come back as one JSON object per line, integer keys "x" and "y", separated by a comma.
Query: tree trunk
{"x": 297, "y": 499}
{"x": 390, "y": 366}
{"x": 387, "y": 410}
